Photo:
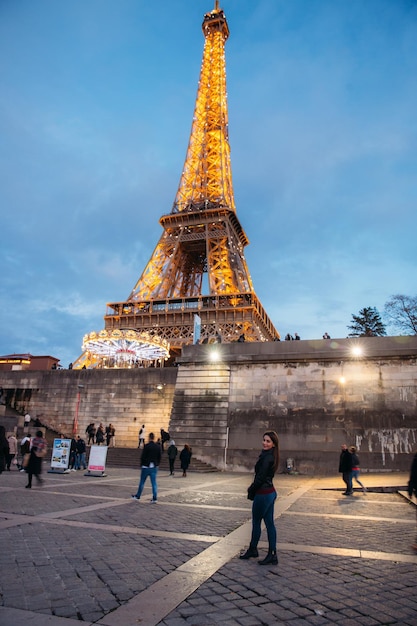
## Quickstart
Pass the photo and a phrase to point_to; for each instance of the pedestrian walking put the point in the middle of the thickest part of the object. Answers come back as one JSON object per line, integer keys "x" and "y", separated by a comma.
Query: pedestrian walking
{"x": 4, "y": 449}
{"x": 150, "y": 460}
{"x": 37, "y": 452}
{"x": 356, "y": 470}
{"x": 24, "y": 453}
{"x": 12, "y": 451}
{"x": 185, "y": 458}
{"x": 345, "y": 468}
{"x": 263, "y": 495}
{"x": 172, "y": 455}
{"x": 412, "y": 486}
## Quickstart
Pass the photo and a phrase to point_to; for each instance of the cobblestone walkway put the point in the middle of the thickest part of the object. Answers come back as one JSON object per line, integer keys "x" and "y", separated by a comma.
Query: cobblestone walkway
{"x": 79, "y": 549}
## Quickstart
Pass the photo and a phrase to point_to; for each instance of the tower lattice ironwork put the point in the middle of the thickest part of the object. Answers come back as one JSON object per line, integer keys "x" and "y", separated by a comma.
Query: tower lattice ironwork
{"x": 198, "y": 266}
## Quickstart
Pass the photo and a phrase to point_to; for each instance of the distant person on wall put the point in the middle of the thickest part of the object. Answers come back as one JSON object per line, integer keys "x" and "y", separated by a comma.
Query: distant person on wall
{"x": 141, "y": 443}
{"x": 356, "y": 470}
{"x": 172, "y": 455}
{"x": 27, "y": 420}
{"x": 185, "y": 458}
{"x": 100, "y": 434}
{"x": 91, "y": 432}
{"x": 412, "y": 485}
{"x": 297, "y": 336}
{"x": 263, "y": 495}
{"x": 110, "y": 433}
{"x": 288, "y": 337}
{"x": 150, "y": 460}
{"x": 37, "y": 452}
{"x": 345, "y": 468}
{"x": 326, "y": 336}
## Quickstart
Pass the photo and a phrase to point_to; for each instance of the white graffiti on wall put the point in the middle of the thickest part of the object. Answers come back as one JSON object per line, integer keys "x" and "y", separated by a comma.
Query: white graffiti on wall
{"x": 392, "y": 442}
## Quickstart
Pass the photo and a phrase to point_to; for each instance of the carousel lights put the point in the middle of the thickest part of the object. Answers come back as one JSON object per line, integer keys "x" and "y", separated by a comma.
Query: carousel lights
{"x": 126, "y": 346}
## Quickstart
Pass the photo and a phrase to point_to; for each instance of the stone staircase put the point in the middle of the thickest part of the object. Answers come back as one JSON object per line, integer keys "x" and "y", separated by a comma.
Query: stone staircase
{"x": 130, "y": 457}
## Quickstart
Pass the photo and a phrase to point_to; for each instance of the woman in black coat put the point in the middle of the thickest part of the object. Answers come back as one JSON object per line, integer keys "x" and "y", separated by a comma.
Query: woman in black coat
{"x": 262, "y": 493}
{"x": 185, "y": 458}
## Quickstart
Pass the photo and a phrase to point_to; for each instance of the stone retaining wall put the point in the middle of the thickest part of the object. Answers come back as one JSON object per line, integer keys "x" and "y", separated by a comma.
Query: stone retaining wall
{"x": 222, "y": 397}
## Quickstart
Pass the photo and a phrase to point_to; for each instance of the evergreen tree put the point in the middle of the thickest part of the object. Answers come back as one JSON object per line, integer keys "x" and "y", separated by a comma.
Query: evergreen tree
{"x": 367, "y": 324}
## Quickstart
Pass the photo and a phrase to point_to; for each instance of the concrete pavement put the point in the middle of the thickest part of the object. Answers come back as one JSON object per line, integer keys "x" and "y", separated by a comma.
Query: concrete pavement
{"x": 79, "y": 549}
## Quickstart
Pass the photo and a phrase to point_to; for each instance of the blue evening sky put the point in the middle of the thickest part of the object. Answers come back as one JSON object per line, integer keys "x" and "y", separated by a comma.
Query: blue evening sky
{"x": 96, "y": 100}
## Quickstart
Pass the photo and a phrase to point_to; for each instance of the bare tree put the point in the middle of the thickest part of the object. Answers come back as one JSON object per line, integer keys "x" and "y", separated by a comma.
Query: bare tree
{"x": 401, "y": 313}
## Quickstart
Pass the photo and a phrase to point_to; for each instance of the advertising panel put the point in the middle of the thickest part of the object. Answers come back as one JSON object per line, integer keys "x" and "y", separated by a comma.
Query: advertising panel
{"x": 97, "y": 459}
{"x": 61, "y": 454}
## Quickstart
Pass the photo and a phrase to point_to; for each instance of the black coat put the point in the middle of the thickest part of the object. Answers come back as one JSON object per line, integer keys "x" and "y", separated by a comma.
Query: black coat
{"x": 412, "y": 483}
{"x": 264, "y": 473}
{"x": 345, "y": 463}
{"x": 151, "y": 454}
{"x": 185, "y": 458}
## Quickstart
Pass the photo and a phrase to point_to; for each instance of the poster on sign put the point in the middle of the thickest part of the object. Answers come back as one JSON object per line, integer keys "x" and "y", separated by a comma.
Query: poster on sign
{"x": 97, "y": 461}
{"x": 60, "y": 455}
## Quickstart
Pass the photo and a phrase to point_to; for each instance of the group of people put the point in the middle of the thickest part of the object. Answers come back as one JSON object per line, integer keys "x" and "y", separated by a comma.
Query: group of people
{"x": 26, "y": 456}
{"x": 78, "y": 451}
{"x": 101, "y": 434}
{"x": 349, "y": 468}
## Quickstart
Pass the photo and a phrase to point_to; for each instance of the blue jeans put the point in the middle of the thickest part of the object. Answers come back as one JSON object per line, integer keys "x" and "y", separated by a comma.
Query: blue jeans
{"x": 347, "y": 479}
{"x": 80, "y": 460}
{"x": 263, "y": 509}
{"x": 151, "y": 472}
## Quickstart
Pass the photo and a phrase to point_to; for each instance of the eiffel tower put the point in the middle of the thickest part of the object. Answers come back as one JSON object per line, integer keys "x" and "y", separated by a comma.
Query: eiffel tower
{"x": 201, "y": 249}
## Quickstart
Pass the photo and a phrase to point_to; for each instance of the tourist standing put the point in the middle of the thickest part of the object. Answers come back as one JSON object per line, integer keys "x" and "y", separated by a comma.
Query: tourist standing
{"x": 100, "y": 434}
{"x": 110, "y": 433}
{"x": 91, "y": 432}
{"x": 80, "y": 454}
{"x": 345, "y": 468}
{"x": 172, "y": 455}
{"x": 263, "y": 495}
{"x": 185, "y": 458}
{"x": 150, "y": 460}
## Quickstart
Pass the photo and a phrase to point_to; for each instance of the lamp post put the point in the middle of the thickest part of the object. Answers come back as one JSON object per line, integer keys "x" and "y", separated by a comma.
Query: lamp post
{"x": 77, "y": 409}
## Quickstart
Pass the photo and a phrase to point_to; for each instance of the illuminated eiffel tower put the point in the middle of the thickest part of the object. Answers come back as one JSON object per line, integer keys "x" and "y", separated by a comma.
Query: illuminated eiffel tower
{"x": 198, "y": 266}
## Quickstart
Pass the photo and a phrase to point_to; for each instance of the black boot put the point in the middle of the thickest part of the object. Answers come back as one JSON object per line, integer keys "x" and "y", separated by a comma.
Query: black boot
{"x": 270, "y": 559}
{"x": 250, "y": 553}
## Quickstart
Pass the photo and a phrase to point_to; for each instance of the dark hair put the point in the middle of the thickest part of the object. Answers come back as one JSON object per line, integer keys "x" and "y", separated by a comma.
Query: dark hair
{"x": 151, "y": 436}
{"x": 275, "y": 440}
{"x": 39, "y": 433}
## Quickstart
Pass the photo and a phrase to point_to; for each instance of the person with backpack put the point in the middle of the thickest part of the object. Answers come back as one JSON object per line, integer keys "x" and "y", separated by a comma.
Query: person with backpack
{"x": 172, "y": 455}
